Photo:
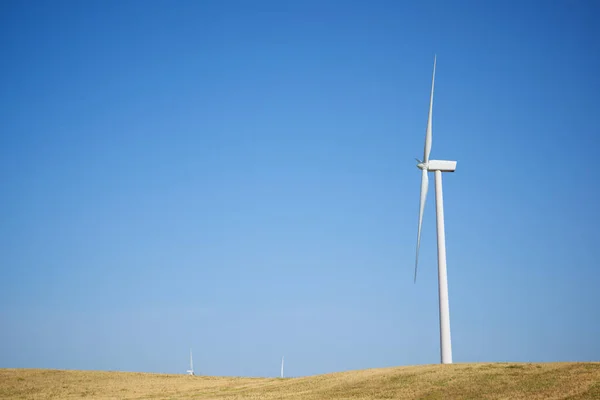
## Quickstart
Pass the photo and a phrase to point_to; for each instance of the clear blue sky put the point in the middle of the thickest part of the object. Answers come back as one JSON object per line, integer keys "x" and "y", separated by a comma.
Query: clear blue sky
{"x": 238, "y": 177}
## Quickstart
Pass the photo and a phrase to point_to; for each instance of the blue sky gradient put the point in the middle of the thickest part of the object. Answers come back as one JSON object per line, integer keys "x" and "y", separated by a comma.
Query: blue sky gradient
{"x": 239, "y": 177}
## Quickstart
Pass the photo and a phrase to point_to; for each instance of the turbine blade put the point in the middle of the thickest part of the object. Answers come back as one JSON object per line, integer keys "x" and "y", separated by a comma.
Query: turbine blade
{"x": 424, "y": 187}
{"x": 428, "y": 132}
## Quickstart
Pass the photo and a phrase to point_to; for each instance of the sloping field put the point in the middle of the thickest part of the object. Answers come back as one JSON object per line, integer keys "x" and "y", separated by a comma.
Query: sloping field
{"x": 458, "y": 381}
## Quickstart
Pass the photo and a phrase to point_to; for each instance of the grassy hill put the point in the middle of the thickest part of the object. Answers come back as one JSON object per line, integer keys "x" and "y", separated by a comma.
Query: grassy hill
{"x": 458, "y": 381}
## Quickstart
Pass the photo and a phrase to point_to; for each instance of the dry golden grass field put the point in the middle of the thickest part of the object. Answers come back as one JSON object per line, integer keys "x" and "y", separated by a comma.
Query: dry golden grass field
{"x": 458, "y": 381}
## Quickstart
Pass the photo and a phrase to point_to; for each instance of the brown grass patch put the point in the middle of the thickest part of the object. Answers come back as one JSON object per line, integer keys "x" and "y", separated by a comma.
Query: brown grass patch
{"x": 457, "y": 381}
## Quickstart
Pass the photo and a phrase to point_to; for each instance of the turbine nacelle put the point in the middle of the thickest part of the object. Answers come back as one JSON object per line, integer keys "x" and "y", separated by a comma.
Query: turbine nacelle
{"x": 437, "y": 165}
{"x": 441, "y": 165}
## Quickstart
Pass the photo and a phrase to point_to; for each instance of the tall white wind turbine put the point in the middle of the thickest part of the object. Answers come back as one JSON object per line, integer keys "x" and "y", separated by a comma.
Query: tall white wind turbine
{"x": 191, "y": 370}
{"x": 437, "y": 167}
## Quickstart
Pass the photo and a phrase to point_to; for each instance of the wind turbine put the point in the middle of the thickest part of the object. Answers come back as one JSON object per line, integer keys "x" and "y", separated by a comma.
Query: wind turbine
{"x": 191, "y": 370}
{"x": 282, "y": 366}
{"x": 437, "y": 167}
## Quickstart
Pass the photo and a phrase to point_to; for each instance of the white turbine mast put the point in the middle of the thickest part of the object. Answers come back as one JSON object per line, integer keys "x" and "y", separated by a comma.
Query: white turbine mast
{"x": 437, "y": 167}
{"x": 191, "y": 370}
{"x": 282, "y": 366}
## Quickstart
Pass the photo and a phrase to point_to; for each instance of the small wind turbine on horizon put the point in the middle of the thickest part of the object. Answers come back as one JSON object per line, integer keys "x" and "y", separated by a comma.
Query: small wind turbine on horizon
{"x": 191, "y": 370}
{"x": 437, "y": 167}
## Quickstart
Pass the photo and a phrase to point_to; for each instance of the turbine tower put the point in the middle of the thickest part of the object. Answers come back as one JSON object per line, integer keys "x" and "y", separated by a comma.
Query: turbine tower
{"x": 191, "y": 370}
{"x": 437, "y": 167}
{"x": 282, "y": 366}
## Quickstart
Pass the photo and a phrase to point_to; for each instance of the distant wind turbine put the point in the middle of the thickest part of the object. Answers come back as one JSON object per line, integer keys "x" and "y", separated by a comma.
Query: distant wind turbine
{"x": 437, "y": 167}
{"x": 282, "y": 366}
{"x": 191, "y": 370}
